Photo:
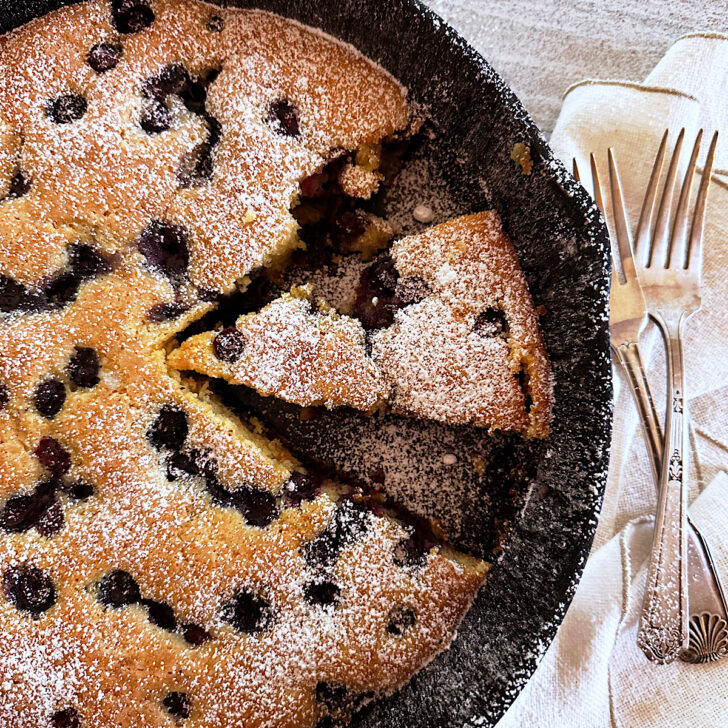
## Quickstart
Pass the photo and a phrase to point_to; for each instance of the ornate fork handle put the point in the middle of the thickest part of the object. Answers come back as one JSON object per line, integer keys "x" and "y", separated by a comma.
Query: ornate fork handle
{"x": 664, "y": 626}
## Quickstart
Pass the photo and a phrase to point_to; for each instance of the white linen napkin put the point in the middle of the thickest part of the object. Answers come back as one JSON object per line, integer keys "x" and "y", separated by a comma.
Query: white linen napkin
{"x": 593, "y": 674}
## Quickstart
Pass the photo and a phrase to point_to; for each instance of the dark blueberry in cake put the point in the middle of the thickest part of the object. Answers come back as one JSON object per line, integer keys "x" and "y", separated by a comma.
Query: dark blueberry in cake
{"x": 333, "y": 695}
{"x": 66, "y": 108}
{"x": 229, "y": 344}
{"x": 178, "y": 704}
{"x": 87, "y": 262}
{"x": 131, "y": 16}
{"x": 301, "y": 487}
{"x": 4, "y": 395}
{"x": 401, "y": 620}
{"x": 412, "y": 290}
{"x": 376, "y": 300}
{"x": 214, "y": 129}
{"x": 180, "y": 464}
{"x": 19, "y": 185}
{"x": 53, "y": 456}
{"x": 16, "y": 297}
{"x": 321, "y": 593}
{"x": 247, "y": 612}
{"x": 216, "y": 24}
{"x": 19, "y": 514}
{"x": 194, "y": 634}
{"x": 49, "y": 397}
{"x": 257, "y": 507}
{"x": 412, "y": 551}
{"x": 161, "y": 614}
{"x": 156, "y": 118}
{"x": 66, "y": 718}
{"x": 491, "y": 322}
{"x": 348, "y": 524}
{"x": 161, "y": 312}
{"x": 169, "y": 429}
{"x": 164, "y": 246}
{"x": 283, "y": 118}
{"x": 29, "y": 589}
{"x": 194, "y": 95}
{"x": 83, "y": 368}
{"x": 61, "y": 289}
{"x": 51, "y": 520}
{"x": 172, "y": 79}
{"x": 104, "y": 56}
{"x": 196, "y": 167}
{"x": 79, "y": 490}
{"x": 119, "y": 588}
{"x": 347, "y": 227}
{"x": 22, "y": 512}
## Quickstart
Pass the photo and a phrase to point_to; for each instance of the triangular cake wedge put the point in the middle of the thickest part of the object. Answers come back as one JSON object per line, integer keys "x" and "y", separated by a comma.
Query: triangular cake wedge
{"x": 293, "y": 350}
{"x": 461, "y": 341}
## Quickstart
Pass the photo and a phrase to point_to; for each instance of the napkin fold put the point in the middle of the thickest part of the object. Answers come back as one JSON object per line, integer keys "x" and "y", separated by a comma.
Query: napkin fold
{"x": 593, "y": 675}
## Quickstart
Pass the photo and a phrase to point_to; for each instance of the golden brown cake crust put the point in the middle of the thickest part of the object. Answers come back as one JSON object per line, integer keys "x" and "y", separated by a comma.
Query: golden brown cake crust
{"x": 161, "y": 562}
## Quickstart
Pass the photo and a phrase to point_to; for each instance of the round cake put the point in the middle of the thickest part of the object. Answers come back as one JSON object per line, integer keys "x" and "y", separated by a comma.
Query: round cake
{"x": 163, "y": 561}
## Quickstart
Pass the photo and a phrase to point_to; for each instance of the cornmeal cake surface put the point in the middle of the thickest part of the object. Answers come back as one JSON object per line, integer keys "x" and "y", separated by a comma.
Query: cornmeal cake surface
{"x": 163, "y": 563}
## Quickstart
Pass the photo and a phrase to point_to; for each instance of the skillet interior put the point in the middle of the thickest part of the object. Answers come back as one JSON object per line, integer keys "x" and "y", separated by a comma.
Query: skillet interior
{"x": 534, "y": 506}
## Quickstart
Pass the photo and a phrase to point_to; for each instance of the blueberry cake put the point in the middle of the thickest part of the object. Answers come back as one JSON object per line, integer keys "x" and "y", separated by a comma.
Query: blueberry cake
{"x": 163, "y": 562}
{"x": 293, "y": 349}
{"x": 452, "y": 331}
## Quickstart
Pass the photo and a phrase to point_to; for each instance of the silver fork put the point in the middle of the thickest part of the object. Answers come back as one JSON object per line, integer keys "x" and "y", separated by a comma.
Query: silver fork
{"x": 708, "y": 635}
{"x": 671, "y": 258}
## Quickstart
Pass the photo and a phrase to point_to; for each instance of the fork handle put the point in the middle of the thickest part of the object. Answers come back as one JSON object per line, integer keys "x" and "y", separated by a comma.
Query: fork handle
{"x": 663, "y": 628}
{"x": 630, "y": 358}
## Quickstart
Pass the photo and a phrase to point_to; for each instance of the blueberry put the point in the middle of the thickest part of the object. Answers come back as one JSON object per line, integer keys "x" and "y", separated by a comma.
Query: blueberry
{"x": 83, "y": 368}
{"x": 321, "y": 593}
{"x": 53, "y": 456}
{"x": 49, "y": 397}
{"x": 401, "y": 619}
{"x": 79, "y": 490}
{"x": 156, "y": 118}
{"x": 23, "y": 512}
{"x": 283, "y": 117}
{"x": 104, "y": 56}
{"x": 301, "y": 487}
{"x": 196, "y": 166}
{"x": 491, "y": 322}
{"x": 131, "y": 16}
{"x": 164, "y": 245}
{"x": 66, "y": 718}
{"x": 4, "y": 395}
{"x": 169, "y": 429}
{"x": 194, "y": 634}
{"x": 247, "y": 612}
{"x": 161, "y": 614}
{"x": 178, "y": 704}
{"x": 29, "y": 589}
{"x": 19, "y": 185}
{"x": 412, "y": 290}
{"x": 51, "y": 520}
{"x": 258, "y": 507}
{"x": 216, "y": 24}
{"x": 66, "y": 108}
{"x": 16, "y": 297}
{"x": 119, "y": 588}
{"x": 229, "y": 344}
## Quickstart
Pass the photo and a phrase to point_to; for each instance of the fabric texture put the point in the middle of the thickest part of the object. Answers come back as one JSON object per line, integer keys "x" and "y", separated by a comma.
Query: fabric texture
{"x": 593, "y": 674}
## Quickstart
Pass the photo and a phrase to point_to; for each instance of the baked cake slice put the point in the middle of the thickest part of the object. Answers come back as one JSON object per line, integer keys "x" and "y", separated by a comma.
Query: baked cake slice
{"x": 453, "y": 335}
{"x": 291, "y": 349}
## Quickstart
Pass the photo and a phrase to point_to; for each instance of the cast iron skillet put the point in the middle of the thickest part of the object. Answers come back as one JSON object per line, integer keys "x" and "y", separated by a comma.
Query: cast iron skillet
{"x": 533, "y": 507}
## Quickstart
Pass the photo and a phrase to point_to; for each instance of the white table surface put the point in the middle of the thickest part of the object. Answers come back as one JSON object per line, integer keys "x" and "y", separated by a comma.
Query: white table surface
{"x": 541, "y": 47}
